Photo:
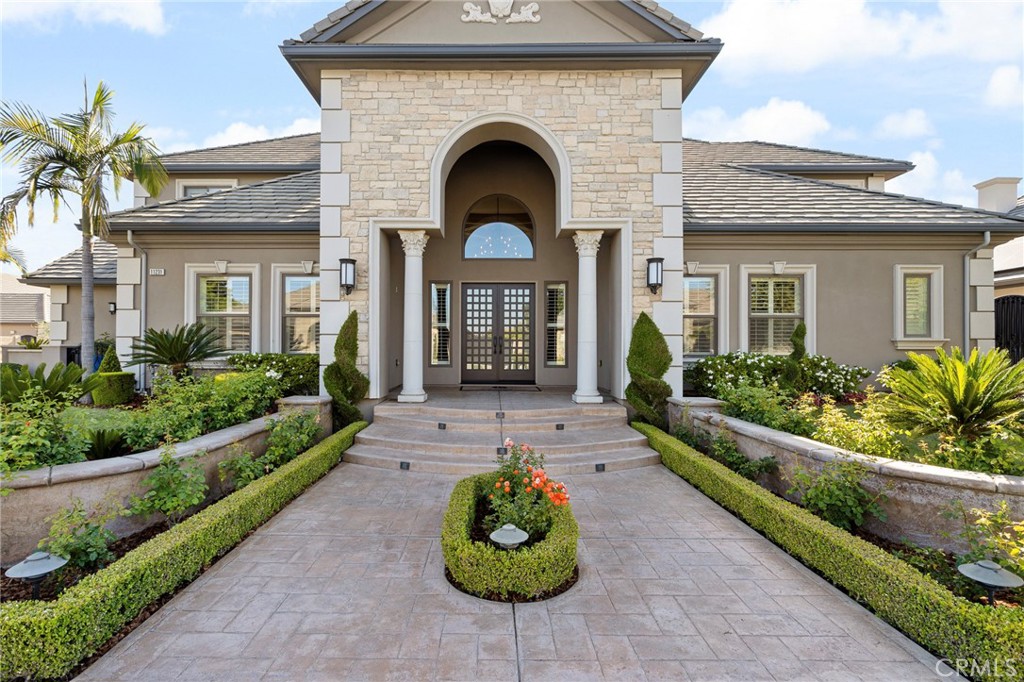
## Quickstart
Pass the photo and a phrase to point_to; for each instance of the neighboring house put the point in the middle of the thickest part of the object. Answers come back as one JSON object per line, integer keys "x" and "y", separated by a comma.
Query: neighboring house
{"x": 499, "y": 180}
{"x": 23, "y": 310}
{"x": 1008, "y": 259}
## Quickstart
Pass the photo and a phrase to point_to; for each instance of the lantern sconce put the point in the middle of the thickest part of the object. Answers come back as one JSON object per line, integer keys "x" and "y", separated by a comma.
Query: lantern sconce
{"x": 347, "y": 278}
{"x": 112, "y": 307}
{"x": 655, "y": 273}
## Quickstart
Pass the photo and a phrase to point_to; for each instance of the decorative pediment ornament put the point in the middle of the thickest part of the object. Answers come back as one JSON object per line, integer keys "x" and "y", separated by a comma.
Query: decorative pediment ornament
{"x": 500, "y": 9}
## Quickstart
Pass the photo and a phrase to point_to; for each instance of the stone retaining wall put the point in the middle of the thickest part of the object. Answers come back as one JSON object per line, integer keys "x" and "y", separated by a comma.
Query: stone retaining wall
{"x": 917, "y": 493}
{"x": 37, "y": 494}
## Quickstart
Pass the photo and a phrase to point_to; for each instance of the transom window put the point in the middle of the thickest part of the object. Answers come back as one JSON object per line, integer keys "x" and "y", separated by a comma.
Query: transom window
{"x": 776, "y": 308}
{"x": 700, "y": 315}
{"x": 301, "y": 312}
{"x": 225, "y": 306}
{"x": 498, "y": 227}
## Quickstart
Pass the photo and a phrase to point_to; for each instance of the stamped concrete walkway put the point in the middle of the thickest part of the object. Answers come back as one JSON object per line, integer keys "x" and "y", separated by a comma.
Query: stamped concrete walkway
{"x": 347, "y": 584}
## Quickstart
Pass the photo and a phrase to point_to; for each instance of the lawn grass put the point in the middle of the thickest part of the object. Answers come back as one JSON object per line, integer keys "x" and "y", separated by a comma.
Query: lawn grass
{"x": 87, "y": 419}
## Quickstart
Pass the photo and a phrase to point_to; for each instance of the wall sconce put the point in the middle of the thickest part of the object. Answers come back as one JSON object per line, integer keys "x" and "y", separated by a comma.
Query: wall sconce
{"x": 347, "y": 277}
{"x": 112, "y": 307}
{"x": 655, "y": 273}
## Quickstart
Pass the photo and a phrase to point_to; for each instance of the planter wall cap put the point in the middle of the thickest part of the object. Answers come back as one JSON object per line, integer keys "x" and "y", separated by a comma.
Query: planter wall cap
{"x": 933, "y": 474}
{"x": 802, "y": 446}
{"x": 1010, "y": 485}
{"x": 66, "y": 473}
{"x": 697, "y": 401}
{"x": 33, "y": 478}
{"x": 303, "y": 400}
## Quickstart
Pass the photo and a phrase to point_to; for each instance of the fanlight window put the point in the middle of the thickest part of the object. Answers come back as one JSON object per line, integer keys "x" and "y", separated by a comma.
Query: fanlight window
{"x": 498, "y": 227}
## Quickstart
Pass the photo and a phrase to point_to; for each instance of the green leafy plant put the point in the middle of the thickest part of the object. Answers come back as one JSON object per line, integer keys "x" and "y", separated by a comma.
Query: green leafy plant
{"x": 299, "y": 374}
{"x": 110, "y": 362}
{"x": 822, "y": 376}
{"x": 792, "y": 367}
{"x": 864, "y": 429}
{"x": 106, "y": 443}
{"x": 34, "y": 343}
{"x": 724, "y": 450}
{"x": 990, "y": 534}
{"x": 178, "y": 348}
{"x": 522, "y": 494}
{"x": 63, "y": 382}
{"x": 648, "y": 360}
{"x": 32, "y": 434}
{"x": 175, "y": 486}
{"x": 837, "y": 494}
{"x": 767, "y": 406}
{"x": 342, "y": 379}
{"x": 288, "y": 436}
{"x": 241, "y": 468}
{"x": 81, "y": 535}
{"x": 115, "y": 387}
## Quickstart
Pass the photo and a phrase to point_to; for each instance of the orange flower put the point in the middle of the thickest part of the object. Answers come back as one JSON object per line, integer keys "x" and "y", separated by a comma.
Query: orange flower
{"x": 529, "y": 489}
{"x": 498, "y": 484}
{"x": 516, "y": 472}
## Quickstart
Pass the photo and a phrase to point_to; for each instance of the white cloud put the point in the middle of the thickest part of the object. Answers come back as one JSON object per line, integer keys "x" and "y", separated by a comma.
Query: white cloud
{"x": 1005, "y": 88}
{"x": 270, "y": 7}
{"x": 797, "y": 36}
{"x": 239, "y": 132}
{"x": 784, "y": 121}
{"x": 905, "y": 124}
{"x": 138, "y": 15}
{"x": 929, "y": 181}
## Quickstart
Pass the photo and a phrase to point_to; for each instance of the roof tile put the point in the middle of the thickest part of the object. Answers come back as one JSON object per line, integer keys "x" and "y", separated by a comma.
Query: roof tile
{"x": 69, "y": 267}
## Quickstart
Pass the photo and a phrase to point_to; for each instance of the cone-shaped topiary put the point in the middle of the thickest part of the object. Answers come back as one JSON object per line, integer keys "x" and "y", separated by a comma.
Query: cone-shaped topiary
{"x": 110, "y": 362}
{"x": 648, "y": 360}
{"x": 793, "y": 377}
{"x": 342, "y": 379}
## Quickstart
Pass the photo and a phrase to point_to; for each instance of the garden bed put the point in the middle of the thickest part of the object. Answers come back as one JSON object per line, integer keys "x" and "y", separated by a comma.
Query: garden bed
{"x": 49, "y": 639}
{"x": 476, "y": 566}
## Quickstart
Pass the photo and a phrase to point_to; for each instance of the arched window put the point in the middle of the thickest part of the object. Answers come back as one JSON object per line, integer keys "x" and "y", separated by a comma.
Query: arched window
{"x": 498, "y": 227}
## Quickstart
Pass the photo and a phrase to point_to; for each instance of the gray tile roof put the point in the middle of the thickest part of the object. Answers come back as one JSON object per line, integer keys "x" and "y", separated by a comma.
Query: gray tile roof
{"x": 291, "y": 202}
{"x": 21, "y": 308}
{"x": 1018, "y": 210}
{"x": 774, "y": 155}
{"x": 297, "y": 152}
{"x": 69, "y": 268}
{"x": 338, "y": 15}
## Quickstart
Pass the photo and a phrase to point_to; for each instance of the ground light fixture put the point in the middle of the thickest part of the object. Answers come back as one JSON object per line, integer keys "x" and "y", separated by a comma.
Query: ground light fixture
{"x": 991, "y": 576}
{"x": 509, "y": 537}
{"x": 655, "y": 273}
{"x": 35, "y": 568}
{"x": 347, "y": 278}
{"x": 112, "y": 308}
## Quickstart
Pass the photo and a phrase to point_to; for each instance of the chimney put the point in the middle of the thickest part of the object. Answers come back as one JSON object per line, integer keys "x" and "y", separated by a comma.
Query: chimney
{"x": 997, "y": 194}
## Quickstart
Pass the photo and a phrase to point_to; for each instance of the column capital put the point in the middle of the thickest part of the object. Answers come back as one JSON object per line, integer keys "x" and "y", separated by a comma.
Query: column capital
{"x": 587, "y": 242}
{"x": 414, "y": 242}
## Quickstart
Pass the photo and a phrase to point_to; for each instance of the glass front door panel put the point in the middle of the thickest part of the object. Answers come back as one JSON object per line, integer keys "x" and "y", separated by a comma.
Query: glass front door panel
{"x": 498, "y": 334}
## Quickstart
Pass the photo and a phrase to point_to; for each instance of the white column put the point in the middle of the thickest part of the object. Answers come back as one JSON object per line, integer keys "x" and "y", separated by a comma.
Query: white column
{"x": 587, "y": 244}
{"x": 414, "y": 242}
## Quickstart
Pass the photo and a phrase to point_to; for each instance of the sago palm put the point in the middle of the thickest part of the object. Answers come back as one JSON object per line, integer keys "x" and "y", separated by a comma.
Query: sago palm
{"x": 74, "y": 154}
{"x": 956, "y": 397}
{"x": 176, "y": 349}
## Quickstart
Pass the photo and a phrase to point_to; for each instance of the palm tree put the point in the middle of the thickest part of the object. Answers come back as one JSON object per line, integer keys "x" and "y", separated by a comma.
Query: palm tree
{"x": 75, "y": 154}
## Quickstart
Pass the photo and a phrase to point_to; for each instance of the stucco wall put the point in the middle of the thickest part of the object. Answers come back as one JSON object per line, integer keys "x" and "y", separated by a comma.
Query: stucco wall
{"x": 71, "y": 314}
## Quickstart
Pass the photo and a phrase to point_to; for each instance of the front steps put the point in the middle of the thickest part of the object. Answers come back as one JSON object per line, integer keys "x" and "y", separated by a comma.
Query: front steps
{"x": 575, "y": 439}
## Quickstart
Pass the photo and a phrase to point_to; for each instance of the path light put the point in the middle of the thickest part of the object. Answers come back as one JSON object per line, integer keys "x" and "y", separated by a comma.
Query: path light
{"x": 35, "y": 568}
{"x": 347, "y": 278}
{"x": 991, "y": 576}
{"x": 509, "y": 537}
{"x": 655, "y": 273}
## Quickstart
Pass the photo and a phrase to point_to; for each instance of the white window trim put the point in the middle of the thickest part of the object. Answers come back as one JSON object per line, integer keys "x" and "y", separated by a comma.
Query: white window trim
{"x": 900, "y": 340}
{"x": 181, "y": 184}
{"x": 721, "y": 273}
{"x": 810, "y": 275}
{"x": 277, "y": 273}
{"x": 194, "y": 270}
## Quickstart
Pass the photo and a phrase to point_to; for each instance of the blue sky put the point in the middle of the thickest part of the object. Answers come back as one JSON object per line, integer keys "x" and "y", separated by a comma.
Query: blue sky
{"x": 938, "y": 83}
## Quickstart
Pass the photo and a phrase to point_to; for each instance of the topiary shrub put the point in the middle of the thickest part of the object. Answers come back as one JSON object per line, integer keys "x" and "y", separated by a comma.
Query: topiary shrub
{"x": 342, "y": 379}
{"x": 792, "y": 367}
{"x": 648, "y": 360}
{"x": 115, "y": 387}
{"x": 110, "y": 362}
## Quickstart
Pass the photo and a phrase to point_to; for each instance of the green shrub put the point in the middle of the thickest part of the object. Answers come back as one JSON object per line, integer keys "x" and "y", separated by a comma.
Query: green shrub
{"x": 767, "y": 406}
{"x": 866, "y": 430}
{"x": 110, "y": 362}
{"x": 48, "y": 639}
{"x": 178, "y": 348}
{"x": 175, "y": 486}
{"x": 299, "y": 374}
{"x": 994, "y": 535}
{"x": 32, "y": 434}
{"x": 724, "y": 450}
{"x": 925, "y": 611}
{"x": 63, "y": 383}
{"x": 484, "y": 569}
{"x": 113, "y": 388}
{"x": 106, "y": 443}
{"x": 241, "y": 468}
{"x": 288, "y": 436}
{"x": 837, "y": 494}
{"x": 342, "y": 379}
{"x": 522, "y": 494}
{"x": 81, "y": 536}
{"x": 823, "y": 376}
{"x": 648, "y": 360}
{"x": 793, "y": 377}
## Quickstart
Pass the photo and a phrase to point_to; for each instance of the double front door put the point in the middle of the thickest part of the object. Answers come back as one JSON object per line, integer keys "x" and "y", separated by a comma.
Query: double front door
{"x": 498, "y": 333}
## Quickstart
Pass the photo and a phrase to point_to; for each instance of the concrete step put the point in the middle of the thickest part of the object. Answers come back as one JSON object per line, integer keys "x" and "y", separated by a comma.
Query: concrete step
{"x": 427, "y": 409}
{"x": 492, "y": 425}
{"x": 446, "y": 463}
{"x": 486, "y": 443}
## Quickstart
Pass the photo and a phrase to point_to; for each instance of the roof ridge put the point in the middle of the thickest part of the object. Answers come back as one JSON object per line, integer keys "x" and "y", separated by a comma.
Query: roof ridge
{"x": 230, "y": 190}
{"x": 780, "y": 145}
{"x": 872, "y": 192}
{"x": 237, "y": 144}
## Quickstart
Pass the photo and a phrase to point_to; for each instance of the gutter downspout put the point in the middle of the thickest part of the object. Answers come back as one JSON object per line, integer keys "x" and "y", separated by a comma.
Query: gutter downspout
{"x": 142, "y": 295}
{"x": 986, "y": 240}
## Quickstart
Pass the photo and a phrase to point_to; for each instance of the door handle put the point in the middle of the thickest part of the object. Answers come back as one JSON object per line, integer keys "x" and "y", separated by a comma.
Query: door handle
{"x": 494, "y": 345}
{"x": 501, "y": 345}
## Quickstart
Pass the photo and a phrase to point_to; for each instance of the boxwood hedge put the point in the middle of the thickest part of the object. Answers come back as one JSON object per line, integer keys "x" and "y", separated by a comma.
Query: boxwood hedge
{"x": 483, "y": 569}
{"x": 48, "y": 639}
{"x": 978, "y": 639}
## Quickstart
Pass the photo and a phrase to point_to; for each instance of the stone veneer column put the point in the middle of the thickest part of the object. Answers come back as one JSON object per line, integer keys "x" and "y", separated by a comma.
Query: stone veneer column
{"x": 587, "y": 244}
{"x": 982, "y": 320}
{"x": 128, "y": 323}
{"x": 668, "y": 196}
{"x": 414, "y": 242}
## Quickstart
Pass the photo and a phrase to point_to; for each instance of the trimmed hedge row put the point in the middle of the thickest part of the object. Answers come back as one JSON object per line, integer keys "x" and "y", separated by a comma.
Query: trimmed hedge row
{"x": 48, "y": 639}
{"x": 484, "y": 569}
{"x": 949, "y": 626}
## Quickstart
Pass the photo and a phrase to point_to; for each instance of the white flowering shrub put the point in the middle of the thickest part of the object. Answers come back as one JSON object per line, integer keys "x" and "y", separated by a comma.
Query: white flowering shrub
{"x": 823, "y": 376}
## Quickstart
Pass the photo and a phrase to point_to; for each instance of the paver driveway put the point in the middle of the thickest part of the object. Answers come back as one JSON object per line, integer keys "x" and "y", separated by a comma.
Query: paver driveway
{"x": 347, "y": 583}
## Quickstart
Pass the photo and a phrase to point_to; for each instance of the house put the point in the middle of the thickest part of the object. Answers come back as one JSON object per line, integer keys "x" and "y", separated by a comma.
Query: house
{"x": 500, "y": 188}
{"x": 22, "y": 310}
